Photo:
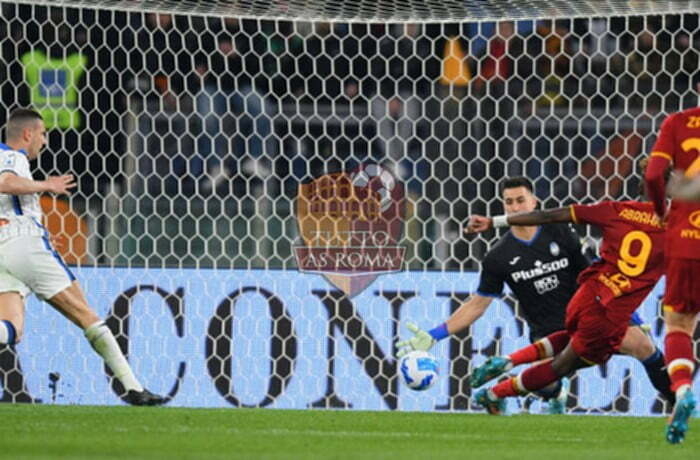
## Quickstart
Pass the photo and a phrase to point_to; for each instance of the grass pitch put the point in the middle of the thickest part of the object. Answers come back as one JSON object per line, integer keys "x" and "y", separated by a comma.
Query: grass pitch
{"x": 129, "y": 432}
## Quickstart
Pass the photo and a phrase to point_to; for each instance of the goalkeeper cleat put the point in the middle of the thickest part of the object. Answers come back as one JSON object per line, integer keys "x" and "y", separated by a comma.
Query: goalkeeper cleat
{"x": 492, "y": 368}
{"x": 144, "y": 398}
{"x": 678, "y": 423}
{"x": 493, "y": 405}
{"x": 557, "y": 405}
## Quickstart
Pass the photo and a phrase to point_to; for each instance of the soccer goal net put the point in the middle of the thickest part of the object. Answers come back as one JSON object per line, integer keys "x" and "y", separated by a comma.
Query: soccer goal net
{"x": 269, "y": 190}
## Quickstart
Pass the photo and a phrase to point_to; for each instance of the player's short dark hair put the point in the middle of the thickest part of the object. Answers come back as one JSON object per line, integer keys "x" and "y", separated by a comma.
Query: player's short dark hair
{"x": 18, "y": 120}
{"x": 515, "y": 182}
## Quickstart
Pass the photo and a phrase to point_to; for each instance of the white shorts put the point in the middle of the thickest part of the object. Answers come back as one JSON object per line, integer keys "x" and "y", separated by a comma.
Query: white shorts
{"x": 30, "y": 264}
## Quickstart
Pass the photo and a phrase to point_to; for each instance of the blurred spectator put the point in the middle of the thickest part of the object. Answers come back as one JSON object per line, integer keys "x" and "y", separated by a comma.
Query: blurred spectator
{"x": 496, "y": 65}
{"x": 213, "y": 104}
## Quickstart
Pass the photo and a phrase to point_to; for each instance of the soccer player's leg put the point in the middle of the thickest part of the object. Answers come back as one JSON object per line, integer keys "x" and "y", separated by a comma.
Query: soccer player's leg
{"x": 583, "y": 312}
{"x": 597, "y": 330}
{"x": 638, "y": 344}
{"x": 679, "y": 356}
{"x": 556, "y": 394}
{"x": 72, "y": 304}
{"x": 593, "y": 339}
{"x": 45, "y": 273}
{"x": 681, "y": 307}
{"x": 11, "y": 317}
{"x": 12, "y": 295}
{"x": 495, "y": 366}
{"x": 531, "y": 379}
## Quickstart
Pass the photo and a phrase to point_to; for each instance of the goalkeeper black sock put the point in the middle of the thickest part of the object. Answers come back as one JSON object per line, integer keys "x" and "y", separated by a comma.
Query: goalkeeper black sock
{"x": 655, "y": 367}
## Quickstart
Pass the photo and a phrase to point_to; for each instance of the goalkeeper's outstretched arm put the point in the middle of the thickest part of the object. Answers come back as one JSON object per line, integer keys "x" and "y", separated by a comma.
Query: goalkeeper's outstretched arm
{"x": 467, "y": 313}
{"x": 462, "y": 318}
{"x": 479, "y": 223}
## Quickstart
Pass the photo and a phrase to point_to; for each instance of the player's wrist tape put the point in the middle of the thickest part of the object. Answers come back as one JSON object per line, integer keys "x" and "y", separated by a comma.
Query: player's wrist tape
{"x": 440, "y": 332}
{"x": 499, "y": 221}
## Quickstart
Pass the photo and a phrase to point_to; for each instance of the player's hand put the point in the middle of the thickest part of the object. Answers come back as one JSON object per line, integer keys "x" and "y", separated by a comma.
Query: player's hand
{"x": 478, "y": 224}
{"x": 60, "y": 185}
{"x": 421, "y": 341}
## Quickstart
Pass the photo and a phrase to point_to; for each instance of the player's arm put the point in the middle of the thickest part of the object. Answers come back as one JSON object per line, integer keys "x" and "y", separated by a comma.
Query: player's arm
{"x": 655, "y": 181}
{"x": 659, "y": 161}
{"x": 12, "y": 184}
{"x": 478, "y": 223}
{"x": 686, "y": 188}
{"x": 466, "y": 314}
{"x": 491, "y": 284}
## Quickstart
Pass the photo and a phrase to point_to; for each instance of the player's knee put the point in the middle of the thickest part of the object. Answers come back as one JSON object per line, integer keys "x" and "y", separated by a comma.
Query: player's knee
{"x": 645, "y": 348}
{"x": 637, "y": 344}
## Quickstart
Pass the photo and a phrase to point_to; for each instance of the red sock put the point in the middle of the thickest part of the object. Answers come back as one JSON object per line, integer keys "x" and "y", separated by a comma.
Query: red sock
{"x": 531, "y": 379}
{"x": 546, "y": 347}
{"x": 506, "y": 388}
{"x": 679, "y": 358}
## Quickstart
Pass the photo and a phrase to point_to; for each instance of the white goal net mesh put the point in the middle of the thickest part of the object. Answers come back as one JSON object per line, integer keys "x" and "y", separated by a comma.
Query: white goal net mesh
{"x": 208, "y": 137}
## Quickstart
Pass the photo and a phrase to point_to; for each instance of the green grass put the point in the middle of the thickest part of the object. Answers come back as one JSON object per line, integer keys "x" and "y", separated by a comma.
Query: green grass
{"x": 128, "y": 432}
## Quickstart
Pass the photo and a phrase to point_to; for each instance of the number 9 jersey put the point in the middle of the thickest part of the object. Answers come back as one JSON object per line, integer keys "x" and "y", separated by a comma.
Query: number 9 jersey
{"x": 632, "y": 254}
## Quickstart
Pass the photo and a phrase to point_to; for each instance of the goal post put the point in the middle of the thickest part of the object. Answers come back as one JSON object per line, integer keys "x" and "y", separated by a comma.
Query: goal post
{"x": 231, "y": 158}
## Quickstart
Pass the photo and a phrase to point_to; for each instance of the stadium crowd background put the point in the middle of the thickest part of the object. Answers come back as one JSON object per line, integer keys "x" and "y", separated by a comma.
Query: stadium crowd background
{"x": 196, "y": 132}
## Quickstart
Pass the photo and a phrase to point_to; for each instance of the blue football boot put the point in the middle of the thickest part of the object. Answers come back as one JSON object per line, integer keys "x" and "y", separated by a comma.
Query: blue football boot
{"x": 557, "y": 405}
{"x": 494, "y": 406}
{"x": 492, "y": 368}
{"x": 678, "y": 423}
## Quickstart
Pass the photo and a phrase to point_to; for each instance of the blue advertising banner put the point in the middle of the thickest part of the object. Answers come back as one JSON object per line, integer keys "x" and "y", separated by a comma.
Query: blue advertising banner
{"x": 282, "y": 339}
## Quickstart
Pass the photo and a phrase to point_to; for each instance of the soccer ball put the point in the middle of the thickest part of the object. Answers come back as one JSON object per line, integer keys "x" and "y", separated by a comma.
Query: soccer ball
{"x": 419, "y": 370}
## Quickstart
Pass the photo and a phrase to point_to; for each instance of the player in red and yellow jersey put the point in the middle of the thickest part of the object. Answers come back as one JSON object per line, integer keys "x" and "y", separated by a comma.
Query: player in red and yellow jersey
{"x": 678, "y": 145}
{"x": 610, "y": 290}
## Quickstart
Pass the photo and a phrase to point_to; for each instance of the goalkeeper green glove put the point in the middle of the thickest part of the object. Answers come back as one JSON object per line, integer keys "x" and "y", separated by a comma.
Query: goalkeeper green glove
{"x": 421, "y": 341}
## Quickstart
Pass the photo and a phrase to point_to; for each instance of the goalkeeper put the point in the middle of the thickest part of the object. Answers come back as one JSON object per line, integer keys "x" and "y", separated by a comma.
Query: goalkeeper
{"x": 28, "y": 263}
{"x": 540, "y": 264}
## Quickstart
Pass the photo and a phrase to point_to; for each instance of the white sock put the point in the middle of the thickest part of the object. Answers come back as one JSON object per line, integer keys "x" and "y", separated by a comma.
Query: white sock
{"x": 104, "y": 343}
{"x": 680, "y": 392}
{"x": 4, "y": 333}
{"x": 7, "y": 333}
